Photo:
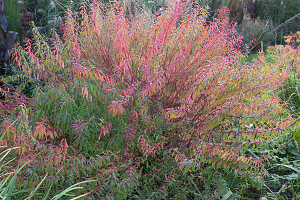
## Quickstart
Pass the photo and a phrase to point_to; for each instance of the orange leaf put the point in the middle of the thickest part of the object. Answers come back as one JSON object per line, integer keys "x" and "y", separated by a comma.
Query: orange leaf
{"x": 116, "y": 108}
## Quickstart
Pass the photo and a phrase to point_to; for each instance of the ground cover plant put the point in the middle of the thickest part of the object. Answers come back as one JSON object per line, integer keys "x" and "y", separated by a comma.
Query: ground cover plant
{"x": 145, "y": 106}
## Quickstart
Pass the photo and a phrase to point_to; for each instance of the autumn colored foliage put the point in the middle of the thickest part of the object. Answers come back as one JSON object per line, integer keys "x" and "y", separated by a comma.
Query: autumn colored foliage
{"x": 132, "y": 71}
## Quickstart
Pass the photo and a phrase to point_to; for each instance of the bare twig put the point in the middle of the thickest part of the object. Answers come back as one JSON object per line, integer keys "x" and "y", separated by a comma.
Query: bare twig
{"x": 287, "y": 21}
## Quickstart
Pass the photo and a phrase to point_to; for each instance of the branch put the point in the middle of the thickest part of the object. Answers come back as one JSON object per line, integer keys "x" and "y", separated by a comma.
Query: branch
{"x": 287, "y": 21}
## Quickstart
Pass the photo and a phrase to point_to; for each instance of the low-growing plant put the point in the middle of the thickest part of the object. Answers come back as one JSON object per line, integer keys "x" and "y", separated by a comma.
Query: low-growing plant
{"x": 283, "y": 167}
{"x": 24, "y": 84}
{"x": 293, "y": 39}
{"x": 10, "y": 170}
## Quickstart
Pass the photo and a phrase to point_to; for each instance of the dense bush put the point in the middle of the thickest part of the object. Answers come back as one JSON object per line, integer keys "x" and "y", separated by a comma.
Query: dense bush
{"x": 46, "y": 14}
{"x": 257, "y": 33}
{"x": 268, "y": 21}
{"x": 155, "y": 107}
{"x": 280, "y": 12}
{"x": 13, "y": 14}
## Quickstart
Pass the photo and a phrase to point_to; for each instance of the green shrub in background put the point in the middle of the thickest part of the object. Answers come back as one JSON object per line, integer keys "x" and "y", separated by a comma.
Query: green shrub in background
{"x": 13, "y": 14}
{"x": 48, "y": 14}
{"x": 276, "y": 18}
{"x": 280, "y": 11}
{"x": 22, "y": 83}
{"x": 43, "y": 11}
{"x": 257, "y": 33}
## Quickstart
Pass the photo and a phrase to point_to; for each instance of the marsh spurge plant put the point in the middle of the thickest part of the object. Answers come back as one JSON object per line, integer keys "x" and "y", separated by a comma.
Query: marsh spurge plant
{"x": 8, "y": 180}
{"x": 189, "y": 68}
{"x": 9, "y": 176}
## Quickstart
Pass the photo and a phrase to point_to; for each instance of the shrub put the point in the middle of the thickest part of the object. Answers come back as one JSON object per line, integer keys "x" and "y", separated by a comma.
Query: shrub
{"x": 135, "y": 70}
{"x": 46, "y": 14}
{"x": 293, "y": 39}
{"x": 18, "y": 133}
{"x": 75, "y": 117}
{"x": 280, "y": 11}
{"x": 287, "y": 58}
{"x": 258, "y": 32}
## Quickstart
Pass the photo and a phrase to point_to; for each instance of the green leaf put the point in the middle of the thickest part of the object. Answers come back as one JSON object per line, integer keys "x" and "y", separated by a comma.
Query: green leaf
{"x": 227, "y": 195}
{"x": 289, "y": 166}
{"x": 69, "y": 189}
{"x": 34, "y": 191}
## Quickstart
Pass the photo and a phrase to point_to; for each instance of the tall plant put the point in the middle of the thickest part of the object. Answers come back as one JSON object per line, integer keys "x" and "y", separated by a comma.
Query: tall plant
{"x": 239, "y": 7}
{"x": 12, "y": 12}
{"x": 190, "y": 73}
{"x": 7, "y": 40}
{"x": 284, "y": 13}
